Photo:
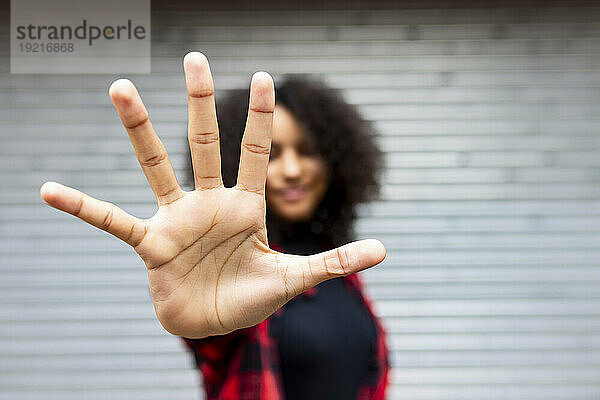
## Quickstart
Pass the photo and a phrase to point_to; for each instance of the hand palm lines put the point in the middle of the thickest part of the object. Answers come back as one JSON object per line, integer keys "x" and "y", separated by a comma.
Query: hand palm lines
{"x": 209, "y": 250}
{"x": 209, "y": 266}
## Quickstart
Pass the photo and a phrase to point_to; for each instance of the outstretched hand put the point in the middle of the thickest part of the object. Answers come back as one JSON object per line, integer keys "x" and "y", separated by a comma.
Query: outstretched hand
{"x": 210, "y": 269}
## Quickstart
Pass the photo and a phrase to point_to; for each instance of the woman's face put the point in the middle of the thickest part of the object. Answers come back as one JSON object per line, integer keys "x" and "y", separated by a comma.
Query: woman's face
{"x": 297, "y": 176}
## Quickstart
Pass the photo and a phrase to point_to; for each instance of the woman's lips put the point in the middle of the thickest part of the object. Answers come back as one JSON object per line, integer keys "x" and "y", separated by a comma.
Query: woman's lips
{"x": 292, "y": 194}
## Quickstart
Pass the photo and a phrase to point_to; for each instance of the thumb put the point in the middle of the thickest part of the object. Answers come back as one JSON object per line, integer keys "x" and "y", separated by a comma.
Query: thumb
{"x": 345, "y": 260}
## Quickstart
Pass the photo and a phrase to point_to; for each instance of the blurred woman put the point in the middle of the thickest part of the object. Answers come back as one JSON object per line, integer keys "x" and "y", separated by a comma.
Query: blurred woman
{"x": 325, "y": 343}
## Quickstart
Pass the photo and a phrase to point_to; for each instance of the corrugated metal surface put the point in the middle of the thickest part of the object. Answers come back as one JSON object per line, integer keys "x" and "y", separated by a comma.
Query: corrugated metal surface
{"x": 491, "y": 213}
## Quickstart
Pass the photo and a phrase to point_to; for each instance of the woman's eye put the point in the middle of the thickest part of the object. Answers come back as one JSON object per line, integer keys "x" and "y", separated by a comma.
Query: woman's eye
{"x": 308, "y": 150}
{"x": 273, "y": 154}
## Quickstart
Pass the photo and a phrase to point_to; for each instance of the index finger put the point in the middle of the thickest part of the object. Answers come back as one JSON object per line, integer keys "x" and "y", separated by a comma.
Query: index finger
{"x": 256, "y": 143}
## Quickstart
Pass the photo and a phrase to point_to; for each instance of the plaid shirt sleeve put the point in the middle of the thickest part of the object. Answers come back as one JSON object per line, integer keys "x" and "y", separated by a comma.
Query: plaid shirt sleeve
{"x": 242, "y": 365}
{"x": 213, "y": 355}
{"x": 375, "y": 387}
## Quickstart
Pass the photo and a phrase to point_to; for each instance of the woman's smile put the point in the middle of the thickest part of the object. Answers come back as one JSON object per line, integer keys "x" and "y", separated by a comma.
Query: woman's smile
{"x": 292, "y": 194}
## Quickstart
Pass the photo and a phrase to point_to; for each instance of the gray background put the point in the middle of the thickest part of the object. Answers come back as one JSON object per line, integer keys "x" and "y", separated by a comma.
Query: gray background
{"x": 490, "y": 211}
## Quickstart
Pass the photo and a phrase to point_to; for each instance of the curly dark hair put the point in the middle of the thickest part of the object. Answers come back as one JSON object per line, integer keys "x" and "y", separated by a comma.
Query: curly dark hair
{"x": 344, "y": 139}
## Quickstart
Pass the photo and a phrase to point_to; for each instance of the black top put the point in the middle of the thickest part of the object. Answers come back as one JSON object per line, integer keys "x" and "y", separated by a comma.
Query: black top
{"x": 326, "y": 341}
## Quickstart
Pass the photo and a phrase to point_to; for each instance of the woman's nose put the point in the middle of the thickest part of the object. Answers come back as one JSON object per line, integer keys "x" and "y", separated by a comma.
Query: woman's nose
{"x": 291, "y": 164}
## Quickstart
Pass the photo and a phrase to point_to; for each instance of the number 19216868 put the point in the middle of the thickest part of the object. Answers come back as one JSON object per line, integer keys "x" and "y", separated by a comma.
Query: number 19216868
{"x": 40, "y": 47}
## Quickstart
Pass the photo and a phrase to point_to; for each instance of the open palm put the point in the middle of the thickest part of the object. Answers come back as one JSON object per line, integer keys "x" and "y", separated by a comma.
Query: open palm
{"x": 210, "y": 269}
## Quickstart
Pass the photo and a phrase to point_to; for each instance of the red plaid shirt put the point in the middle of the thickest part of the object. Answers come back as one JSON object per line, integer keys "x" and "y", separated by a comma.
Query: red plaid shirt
{"x": 244, "y": 364}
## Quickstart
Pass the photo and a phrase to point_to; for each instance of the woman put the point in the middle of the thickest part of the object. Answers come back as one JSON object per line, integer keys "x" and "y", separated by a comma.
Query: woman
{"x": 324, "y": 344}
{"x": 210, "y": 269}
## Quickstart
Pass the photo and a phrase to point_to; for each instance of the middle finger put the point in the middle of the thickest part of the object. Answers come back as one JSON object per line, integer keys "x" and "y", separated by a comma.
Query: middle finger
{"x": 203, "y": 130}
